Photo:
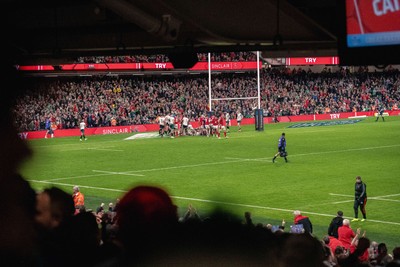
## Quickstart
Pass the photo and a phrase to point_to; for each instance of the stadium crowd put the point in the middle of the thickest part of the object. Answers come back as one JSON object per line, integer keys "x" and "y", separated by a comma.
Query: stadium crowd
{"x": 112, "y": 101}
{"x": 220, "y": 57}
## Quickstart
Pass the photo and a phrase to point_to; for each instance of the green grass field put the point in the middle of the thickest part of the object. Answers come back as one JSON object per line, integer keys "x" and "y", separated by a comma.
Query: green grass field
{"x": 237, "y": 173}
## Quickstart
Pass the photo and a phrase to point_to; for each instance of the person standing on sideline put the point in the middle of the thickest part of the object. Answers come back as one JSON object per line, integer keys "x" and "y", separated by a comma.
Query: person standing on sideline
{"x": 227, "y": 120}
{"x": 281, "y": 148}
{"x": 78, "y": 197}
{"x": 82, "y": 126}
{"x": 381, "y": 110}
{"x": 360, "y": 199}
{"x": 239, "y": 118}
{"x": 335, "y": 224}
{"x": 48, "y": 126}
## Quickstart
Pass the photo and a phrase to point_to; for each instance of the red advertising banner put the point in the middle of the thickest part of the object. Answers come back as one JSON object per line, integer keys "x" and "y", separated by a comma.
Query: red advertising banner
{"x": 251, "y": 65}
{"x": 312, "y": 61}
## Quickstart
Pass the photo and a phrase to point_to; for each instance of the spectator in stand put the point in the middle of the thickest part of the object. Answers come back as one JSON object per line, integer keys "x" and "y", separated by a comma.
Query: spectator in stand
{"x": 53, "y": 207}
{"x": 383, "y": 257}
{"x": 373, "y": 252}
{"x": 304, "y": 220}
{"x": 190, "y": 215}
{"x": 248, "y": 220}
{"x": 335, "y": 224}
{"x": 296, "y": 93}
{"x": 146, "y": 218}
{"x": 396, "y": 255}
{"x": 332, "y": 243}
{"x": 100, "y": 209}
{"x": 78, "y": 197}
{"x": 357, "y": 258}
{"x": 18, "y": 235}
{"x": 346, "y": 234}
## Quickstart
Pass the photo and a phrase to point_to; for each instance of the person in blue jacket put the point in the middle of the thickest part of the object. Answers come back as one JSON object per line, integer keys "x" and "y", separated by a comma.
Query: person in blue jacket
{"x": 281, "y": 148}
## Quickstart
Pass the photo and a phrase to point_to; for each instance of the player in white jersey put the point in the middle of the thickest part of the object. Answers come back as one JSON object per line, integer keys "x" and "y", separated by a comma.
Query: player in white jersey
{"x": 185, "y": 124}
{"x": 228, "y": 121}
{"x": 161, "y": 123}
{"x": 166, "y": 124}
{"x": 82, "y": 127}
{"x": 239, "y": 118}
{"x": 171, "y": 126}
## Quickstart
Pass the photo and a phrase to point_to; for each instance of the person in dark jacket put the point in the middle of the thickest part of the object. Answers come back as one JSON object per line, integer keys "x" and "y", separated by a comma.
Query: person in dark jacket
{"x": 335, "y": 224}
{"x": 304, "y": 220}
{"x": 281, "y": 148}
{"x": 360, "y": 199}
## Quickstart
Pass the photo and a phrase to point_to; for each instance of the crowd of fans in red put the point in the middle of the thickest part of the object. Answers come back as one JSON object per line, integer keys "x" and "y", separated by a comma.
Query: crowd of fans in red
{"x": 215, "y": 57}
{"x": 111, "y": 101}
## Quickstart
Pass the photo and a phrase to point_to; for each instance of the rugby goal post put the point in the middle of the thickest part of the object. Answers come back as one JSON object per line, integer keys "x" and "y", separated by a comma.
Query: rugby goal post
{"x": 258, "y": 112}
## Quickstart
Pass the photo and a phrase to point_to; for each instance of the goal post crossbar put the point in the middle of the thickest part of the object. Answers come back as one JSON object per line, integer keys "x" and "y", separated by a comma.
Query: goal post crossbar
{"x": 235, "y": 98}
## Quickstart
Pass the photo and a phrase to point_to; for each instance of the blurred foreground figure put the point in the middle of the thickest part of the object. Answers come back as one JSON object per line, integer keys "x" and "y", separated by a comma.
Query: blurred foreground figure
{"x": 17, "y": 200}
{"x": 151, "y": 234}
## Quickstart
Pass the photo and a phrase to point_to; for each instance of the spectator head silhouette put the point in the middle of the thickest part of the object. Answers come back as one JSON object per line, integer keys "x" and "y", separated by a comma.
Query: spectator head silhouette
{"x": 144, "y": 211}
{"x": 53, "y": 207}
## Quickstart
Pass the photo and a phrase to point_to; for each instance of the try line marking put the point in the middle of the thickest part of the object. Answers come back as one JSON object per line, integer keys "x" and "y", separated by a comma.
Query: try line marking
{"x": 214, "y": 202}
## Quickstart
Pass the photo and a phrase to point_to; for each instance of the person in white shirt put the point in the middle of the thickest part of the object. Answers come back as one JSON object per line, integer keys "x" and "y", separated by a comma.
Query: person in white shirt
{"x": 171, "y": 126}
{"x": 228, "y": 121}
{"x": 185, "y": 124}
{"x": 161, "y": 123}
{"x": 82, "y": 127}
{"x": 239, "y": 118}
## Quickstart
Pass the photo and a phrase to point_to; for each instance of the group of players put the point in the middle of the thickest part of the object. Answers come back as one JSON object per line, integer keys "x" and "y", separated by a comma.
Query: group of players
{"x": 173, "y": 125}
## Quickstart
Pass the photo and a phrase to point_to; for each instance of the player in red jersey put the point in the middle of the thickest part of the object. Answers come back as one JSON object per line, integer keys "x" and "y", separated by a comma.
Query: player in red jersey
{"x": 221, "y": 125}
{"x": 214, "y": 125}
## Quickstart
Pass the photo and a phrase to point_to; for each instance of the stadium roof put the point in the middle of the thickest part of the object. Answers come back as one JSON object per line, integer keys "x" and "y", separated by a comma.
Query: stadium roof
{"x": 58, "y": 31}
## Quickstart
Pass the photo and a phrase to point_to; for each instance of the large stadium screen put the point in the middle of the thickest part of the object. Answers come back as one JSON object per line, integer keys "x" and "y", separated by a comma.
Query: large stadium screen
{"x": 370, "y": 32}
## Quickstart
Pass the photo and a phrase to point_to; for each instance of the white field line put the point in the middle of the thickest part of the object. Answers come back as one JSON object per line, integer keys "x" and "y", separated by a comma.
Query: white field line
{"x": 75, "y": 177}
{"x": 344, "y": 150}
{"x": 383, "y": 198}
{"x": 106, "y": 149}
{"x": 120, "y": 173}
{"x": 92, "y": 148}
{"x": 319, "y": 153}
{"x": 74, "y": 144}
{"x": 189, "y": 166}
{"x": 217, "y": 202}
{"x": 103, "y": 173}
{"x": 256, "y": 159}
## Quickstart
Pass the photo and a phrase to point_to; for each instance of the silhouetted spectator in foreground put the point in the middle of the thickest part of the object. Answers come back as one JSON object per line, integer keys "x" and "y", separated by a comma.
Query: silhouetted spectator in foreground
{"x": 54, "y": 208}
{"x": 353, "y": 260}
{"x": 151, "y": 235}
{"x": 18, "y": 236}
